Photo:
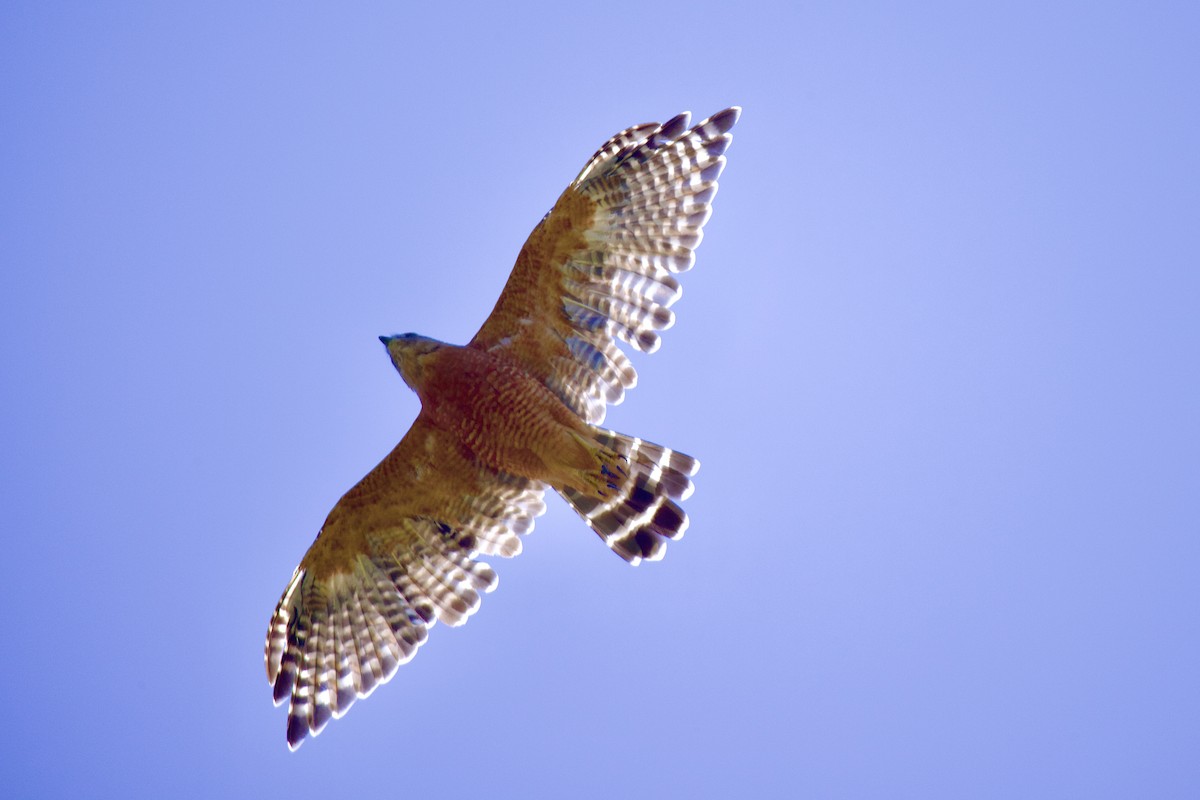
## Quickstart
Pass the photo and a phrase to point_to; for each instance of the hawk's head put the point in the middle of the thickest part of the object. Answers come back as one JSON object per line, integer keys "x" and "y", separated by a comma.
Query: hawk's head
{"x": 407, "y": 351}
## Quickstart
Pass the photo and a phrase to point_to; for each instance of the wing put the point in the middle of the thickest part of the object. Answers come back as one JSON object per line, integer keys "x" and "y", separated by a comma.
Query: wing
{"x": 601, "y": 266}
{"x": 394, "y": 557}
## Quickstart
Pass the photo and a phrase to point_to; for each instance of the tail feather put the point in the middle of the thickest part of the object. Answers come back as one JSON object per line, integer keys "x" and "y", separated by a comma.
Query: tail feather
{"x": 632, "y": 506}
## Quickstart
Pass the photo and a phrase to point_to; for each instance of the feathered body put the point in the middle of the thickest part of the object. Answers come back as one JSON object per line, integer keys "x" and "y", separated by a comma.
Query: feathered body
{"x": 503, "y": 418}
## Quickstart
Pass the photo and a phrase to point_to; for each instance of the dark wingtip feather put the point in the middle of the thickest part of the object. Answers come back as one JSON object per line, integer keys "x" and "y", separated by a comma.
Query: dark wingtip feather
{"x": 322, "y": 713}
{"x": 297, "y": 729}
{"x": 722, "y": 121}
{"x": 283, "y": 684}
{"x": 675, "y": 126}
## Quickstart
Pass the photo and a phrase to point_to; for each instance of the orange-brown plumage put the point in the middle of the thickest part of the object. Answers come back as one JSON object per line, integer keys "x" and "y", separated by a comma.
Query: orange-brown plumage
{"x": 505, "y": 417}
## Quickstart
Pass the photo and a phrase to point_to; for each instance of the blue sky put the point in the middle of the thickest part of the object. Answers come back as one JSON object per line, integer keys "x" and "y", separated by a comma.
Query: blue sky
{"x": 938, "y": 358}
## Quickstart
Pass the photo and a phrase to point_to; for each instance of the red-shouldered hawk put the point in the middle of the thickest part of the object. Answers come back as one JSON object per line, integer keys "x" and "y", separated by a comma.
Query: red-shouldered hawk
{"x": 512, "y": 413}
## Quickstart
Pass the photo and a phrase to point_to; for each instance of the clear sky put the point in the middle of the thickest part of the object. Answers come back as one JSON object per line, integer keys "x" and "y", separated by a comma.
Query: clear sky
{"x": 939, "y": 357}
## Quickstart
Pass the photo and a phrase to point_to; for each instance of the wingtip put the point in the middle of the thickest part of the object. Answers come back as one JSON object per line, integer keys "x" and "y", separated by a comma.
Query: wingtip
{"x": 674, "y": 127}
{"x": 297, "y": 730}
{"x": 722, "y": 121}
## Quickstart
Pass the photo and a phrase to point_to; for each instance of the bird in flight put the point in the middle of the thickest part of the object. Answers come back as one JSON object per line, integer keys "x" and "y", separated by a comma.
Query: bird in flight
{"x": 510, "y": 414}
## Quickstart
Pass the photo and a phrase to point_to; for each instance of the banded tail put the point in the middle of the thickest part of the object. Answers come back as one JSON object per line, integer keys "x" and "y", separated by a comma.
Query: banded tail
{"x": 633, "y": 508}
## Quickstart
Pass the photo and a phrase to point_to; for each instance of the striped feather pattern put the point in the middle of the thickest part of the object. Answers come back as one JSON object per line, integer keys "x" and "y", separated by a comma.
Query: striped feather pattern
{"x": 634, "y": 508}
{"x": 601, "y": 268}
{"x": 331, "y": 642}
{"x": 653, "y": 186}
{"x": 502, "y": 518}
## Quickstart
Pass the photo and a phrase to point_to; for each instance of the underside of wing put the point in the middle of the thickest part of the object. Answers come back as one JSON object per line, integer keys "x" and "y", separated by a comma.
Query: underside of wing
{"x": 601, "y": 267}
{"x": 395, "y": 556}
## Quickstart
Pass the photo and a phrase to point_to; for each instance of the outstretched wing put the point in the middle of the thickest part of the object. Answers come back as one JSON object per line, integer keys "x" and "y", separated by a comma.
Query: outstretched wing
{"x": 395, "y": 556}
{"x": 601, "y": 266}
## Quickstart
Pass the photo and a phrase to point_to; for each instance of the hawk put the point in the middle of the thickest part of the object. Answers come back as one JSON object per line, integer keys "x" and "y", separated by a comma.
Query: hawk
{"x": 504, "y": 418}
